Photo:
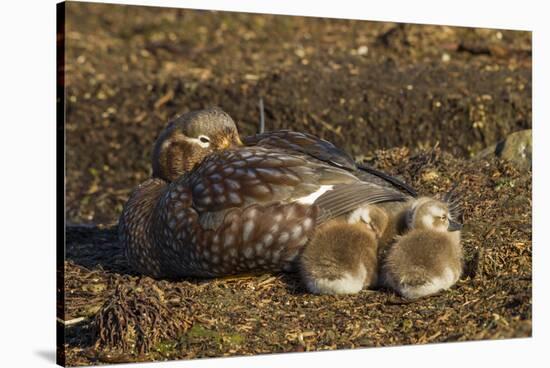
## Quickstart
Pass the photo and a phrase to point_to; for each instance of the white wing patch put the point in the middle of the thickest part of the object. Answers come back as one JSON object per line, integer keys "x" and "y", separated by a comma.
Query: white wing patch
{"x": 311, "y": 198}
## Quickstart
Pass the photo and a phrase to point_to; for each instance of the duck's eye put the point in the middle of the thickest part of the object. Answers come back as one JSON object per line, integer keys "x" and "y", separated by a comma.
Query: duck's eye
{"x": 444, "y": 217}
{"x": 203, "y": 141}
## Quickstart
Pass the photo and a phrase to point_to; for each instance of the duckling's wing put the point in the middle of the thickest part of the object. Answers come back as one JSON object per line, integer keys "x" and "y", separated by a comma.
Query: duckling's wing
{"x": 303, "y": 143}
{"x": 345, "y": 198}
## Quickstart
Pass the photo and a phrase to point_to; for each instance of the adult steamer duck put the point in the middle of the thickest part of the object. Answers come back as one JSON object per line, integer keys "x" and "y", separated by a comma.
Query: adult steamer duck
{"x": 215, "y": 206}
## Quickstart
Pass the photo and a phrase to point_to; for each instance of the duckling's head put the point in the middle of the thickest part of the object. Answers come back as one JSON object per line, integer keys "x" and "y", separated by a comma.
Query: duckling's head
{"x": 189, "y": 138}
{"x": 378, "y": 220}
{"x": 431, "y": 214}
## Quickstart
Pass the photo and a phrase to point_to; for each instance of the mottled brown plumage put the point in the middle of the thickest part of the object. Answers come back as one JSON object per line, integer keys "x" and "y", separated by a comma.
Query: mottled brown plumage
{"x": 324, "y": 151}
{"x": 341, "y": 257}
{"x": 221, "y": 208}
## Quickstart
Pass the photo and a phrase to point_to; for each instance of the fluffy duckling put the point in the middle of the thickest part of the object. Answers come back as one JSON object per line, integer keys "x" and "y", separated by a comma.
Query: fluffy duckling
{"x": 342, "y": 256}
{"x": 428, "y": 258}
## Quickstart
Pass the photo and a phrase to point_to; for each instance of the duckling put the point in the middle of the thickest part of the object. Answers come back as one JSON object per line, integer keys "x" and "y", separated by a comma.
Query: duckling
{"x": 341, "y": 258}
{"x": 428, "y": 258}
{"x": 214, "y": 207}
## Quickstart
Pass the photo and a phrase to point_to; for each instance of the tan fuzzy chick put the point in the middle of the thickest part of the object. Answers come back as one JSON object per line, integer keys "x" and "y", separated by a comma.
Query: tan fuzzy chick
{"x": 341, "y": 258}
{"x": 428, "y": 258}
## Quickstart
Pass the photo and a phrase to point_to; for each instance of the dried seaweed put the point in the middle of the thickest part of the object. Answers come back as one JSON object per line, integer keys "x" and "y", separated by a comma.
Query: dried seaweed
{"x": 137, "y": 316}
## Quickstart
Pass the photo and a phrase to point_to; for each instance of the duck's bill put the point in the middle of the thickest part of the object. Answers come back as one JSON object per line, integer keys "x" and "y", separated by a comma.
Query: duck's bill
{"x": 454, "y": 226}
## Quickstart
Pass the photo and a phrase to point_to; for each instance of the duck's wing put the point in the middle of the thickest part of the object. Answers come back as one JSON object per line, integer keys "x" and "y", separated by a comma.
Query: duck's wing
{"x": 258, "y": 175}
{"x": 304, "y": 143}
{"x": 239, "y": 177}
{"x": 370, "y": 174}
{"x": 325, "y": 151}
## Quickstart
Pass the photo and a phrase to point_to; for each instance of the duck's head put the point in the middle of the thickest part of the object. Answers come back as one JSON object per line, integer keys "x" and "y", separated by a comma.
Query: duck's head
{"x": 431, "y": 214}
{"x": 189, "y": 138}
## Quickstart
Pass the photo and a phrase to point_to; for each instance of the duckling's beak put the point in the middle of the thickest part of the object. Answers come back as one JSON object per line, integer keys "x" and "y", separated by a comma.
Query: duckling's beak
{"x": 454, "y": 226}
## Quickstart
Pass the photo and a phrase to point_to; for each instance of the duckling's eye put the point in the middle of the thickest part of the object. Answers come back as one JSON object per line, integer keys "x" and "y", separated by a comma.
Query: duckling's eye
{"x": 444, "y": 217}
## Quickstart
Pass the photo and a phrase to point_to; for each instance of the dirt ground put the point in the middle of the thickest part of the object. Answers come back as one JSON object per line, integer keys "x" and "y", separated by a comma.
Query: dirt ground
{"x": 387, "y": 93}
